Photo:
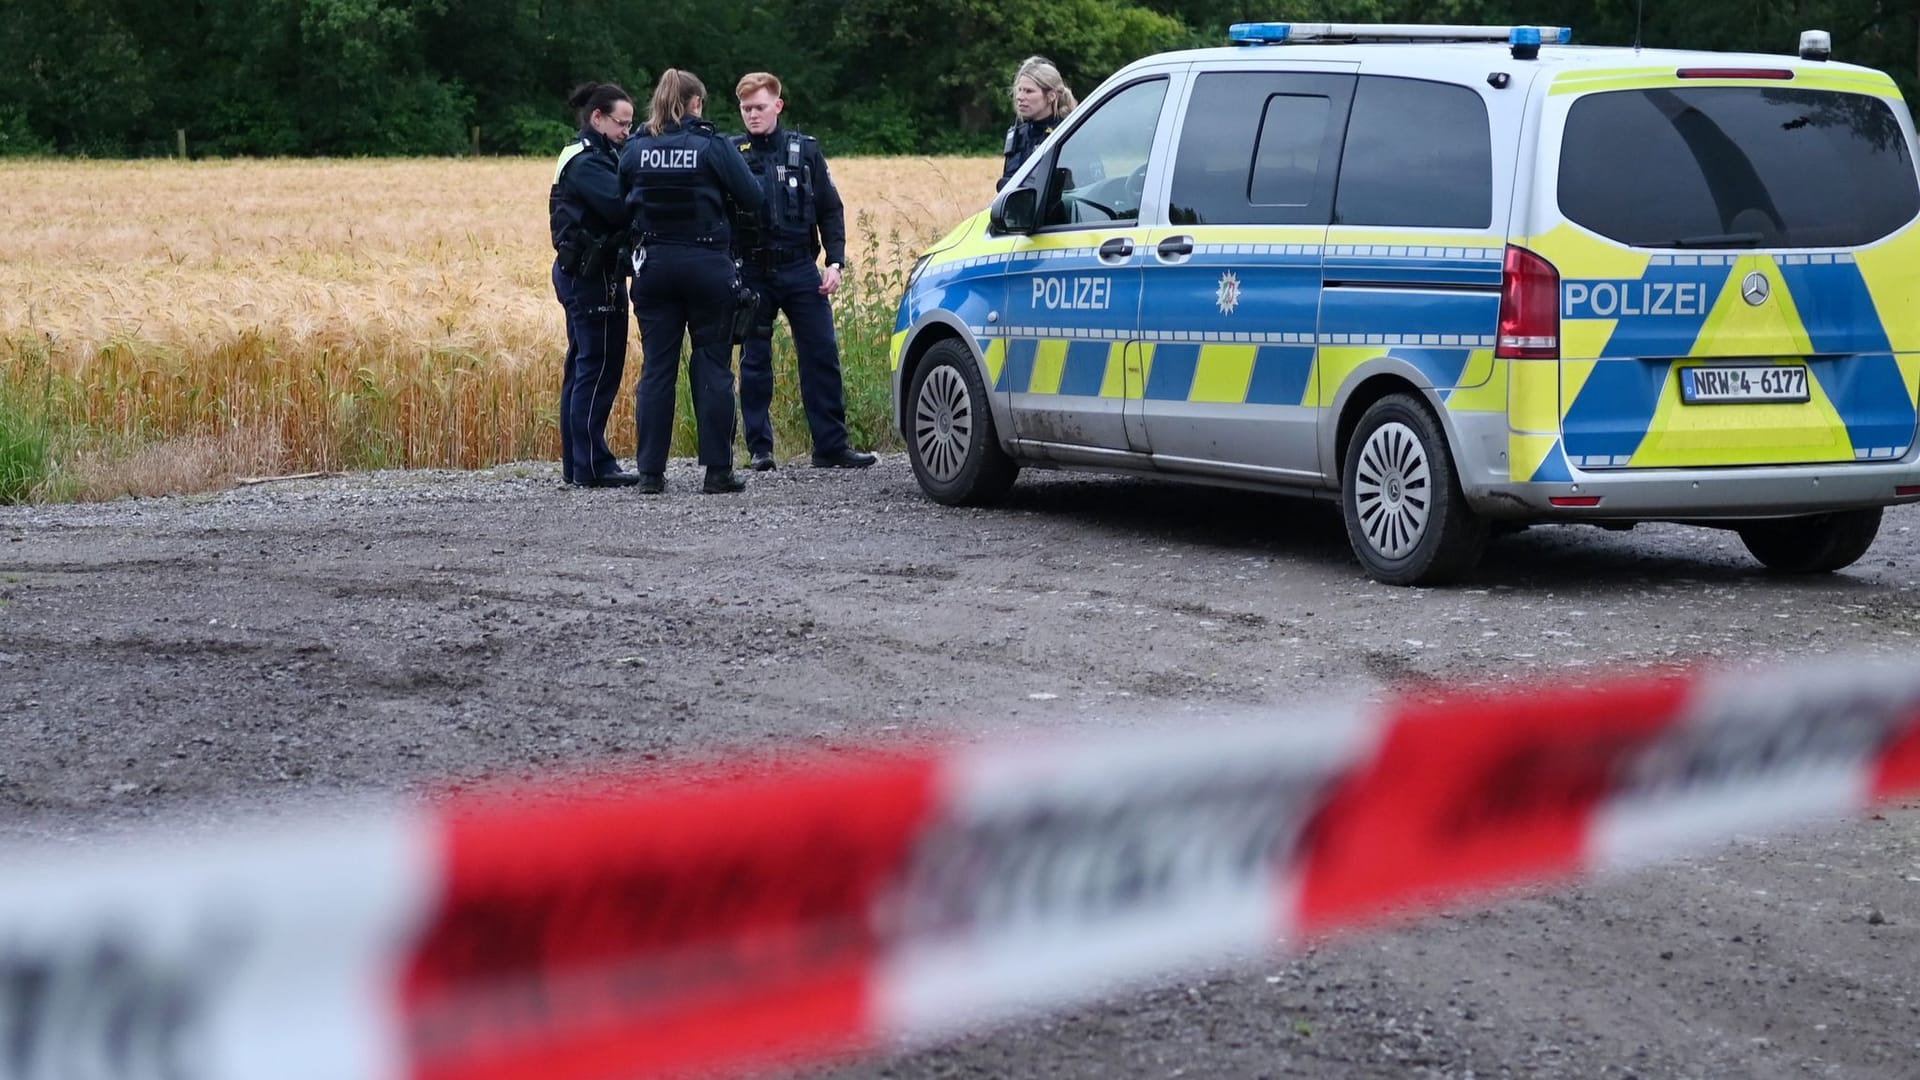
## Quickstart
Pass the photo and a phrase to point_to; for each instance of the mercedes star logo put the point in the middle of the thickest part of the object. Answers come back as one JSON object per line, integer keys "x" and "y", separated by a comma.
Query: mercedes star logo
{"x": 1755, "y": 288}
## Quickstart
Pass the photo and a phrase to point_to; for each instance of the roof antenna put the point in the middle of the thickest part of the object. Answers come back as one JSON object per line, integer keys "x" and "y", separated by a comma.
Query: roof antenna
{"x": 1639, "y": 18}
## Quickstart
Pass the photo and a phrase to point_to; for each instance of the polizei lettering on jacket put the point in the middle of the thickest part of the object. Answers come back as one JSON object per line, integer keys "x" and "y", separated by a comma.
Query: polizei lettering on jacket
{"x": 1629, "y": 298}
{"x": 1073, "y": 293}
{"x": 669, "y": 159}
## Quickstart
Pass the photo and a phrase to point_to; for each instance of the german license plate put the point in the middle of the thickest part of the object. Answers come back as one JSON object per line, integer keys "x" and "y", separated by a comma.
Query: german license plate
{"x": 1751, "y": 382}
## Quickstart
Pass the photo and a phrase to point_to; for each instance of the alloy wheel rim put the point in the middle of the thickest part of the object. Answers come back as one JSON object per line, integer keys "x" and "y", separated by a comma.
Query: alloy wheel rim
{"x": 1392, "y": 490}
{"x": 943, "y": 423}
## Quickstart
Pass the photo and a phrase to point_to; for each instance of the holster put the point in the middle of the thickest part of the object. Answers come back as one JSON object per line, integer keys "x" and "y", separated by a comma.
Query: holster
{"x": 594, "y": 256}
{"x": 746, "y": 303}
{"x": 593, "y": 262}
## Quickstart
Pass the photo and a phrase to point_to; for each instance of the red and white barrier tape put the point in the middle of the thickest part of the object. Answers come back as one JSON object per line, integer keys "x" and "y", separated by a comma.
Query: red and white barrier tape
{"x": 668, "y": 927}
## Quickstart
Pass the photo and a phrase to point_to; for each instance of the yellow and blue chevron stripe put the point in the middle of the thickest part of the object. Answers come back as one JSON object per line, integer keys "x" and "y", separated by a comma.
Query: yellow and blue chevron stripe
{"x": 1632, "y": 320}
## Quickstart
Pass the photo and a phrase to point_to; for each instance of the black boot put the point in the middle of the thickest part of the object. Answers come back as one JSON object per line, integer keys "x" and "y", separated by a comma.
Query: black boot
{"x": 722, "y": 482}
{"x": 844, "y": 458}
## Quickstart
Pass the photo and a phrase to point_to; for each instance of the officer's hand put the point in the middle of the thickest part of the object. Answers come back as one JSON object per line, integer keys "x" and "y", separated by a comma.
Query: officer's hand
{"x": 829, "y": 281}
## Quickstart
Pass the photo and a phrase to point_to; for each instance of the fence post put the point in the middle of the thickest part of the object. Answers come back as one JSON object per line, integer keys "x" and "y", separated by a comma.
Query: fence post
{"x": 180, "y": 140}
{"x": 476, "y": 140}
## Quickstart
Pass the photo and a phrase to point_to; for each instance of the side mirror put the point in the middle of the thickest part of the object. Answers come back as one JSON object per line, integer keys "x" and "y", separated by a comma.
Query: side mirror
{"x": 1017, "y": 211}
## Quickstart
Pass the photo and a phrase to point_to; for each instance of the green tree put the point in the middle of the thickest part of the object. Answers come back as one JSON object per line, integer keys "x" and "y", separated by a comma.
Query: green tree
{"x": 942, "y": 68}
{"x": 110, "y": 77}
{"x": 364, "y": 85}
{"x": 70, "y": 77}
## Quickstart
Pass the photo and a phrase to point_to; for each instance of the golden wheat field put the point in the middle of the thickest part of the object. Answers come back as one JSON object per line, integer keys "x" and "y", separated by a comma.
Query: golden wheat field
{"x": 251, "y": 316}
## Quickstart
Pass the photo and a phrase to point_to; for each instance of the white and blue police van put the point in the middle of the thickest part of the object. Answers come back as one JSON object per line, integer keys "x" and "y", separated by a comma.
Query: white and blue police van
{"x": 1457, "y": 278}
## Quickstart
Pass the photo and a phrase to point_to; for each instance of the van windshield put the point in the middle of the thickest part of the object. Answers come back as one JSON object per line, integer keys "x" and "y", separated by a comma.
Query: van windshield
{"x": 1734, "y": 167}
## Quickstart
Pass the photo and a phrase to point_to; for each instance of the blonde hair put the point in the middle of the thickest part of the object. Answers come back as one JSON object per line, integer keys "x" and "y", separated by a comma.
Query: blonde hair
{"x": 673, "y": 99}
{"x": 1047, "y": 78}
{"x": 755, "y": 81}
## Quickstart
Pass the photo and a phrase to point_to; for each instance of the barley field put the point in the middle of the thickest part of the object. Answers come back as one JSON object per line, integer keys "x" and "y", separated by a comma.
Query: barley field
{"x": 170, "y": 327}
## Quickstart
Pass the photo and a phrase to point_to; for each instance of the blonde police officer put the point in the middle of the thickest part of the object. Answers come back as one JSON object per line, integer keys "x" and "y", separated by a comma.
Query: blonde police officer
{"x": 681, "y": 182}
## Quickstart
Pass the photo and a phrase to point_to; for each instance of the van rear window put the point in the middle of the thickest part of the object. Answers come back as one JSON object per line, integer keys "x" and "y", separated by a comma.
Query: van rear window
{"x": 1731, "y": 167}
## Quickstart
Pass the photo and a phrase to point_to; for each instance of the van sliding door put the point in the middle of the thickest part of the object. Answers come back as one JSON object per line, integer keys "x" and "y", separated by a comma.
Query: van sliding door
{"x": 1232, "y": 293}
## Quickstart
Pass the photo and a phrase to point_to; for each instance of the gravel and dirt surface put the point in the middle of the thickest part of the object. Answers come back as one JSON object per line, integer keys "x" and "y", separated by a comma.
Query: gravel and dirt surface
{"x": 196, "y": 658}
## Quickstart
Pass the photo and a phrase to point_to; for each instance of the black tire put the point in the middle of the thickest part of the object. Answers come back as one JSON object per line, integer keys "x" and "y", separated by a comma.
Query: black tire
{"x": 1406, "y": 518}
{"x": 1818, "y": 544}
{"x": 950, "y": 435}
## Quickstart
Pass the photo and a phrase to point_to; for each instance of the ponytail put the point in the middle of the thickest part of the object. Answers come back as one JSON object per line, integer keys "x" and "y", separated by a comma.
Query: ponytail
{"x": 595, "y": 97}
{"x": 673, "y": 99}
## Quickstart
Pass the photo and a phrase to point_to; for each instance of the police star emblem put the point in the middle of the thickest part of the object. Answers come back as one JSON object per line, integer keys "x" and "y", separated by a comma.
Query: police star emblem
{"x": 1227, "y": 296}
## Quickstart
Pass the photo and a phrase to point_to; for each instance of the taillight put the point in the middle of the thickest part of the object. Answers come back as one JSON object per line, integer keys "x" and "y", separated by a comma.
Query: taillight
{"x": 1529, "y": 308}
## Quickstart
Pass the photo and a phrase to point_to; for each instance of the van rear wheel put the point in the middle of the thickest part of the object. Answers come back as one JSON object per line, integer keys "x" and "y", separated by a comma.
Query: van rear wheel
{"x": 1406, "y": 518}
{"x": 951, "y": 440}
{"x": 1818, "y": 544}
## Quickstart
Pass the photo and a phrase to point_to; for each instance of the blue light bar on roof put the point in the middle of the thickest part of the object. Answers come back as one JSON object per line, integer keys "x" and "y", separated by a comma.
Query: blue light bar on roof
{"x": 1261, "y": 33}
{"x": 1288, "y": 33}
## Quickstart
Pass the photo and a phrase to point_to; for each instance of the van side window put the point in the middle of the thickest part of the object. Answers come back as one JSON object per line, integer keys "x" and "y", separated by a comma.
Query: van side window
{"x": 1418, "y": 154}
{"x": 1100, "y": 172}
{"x": 1257, "y": 149}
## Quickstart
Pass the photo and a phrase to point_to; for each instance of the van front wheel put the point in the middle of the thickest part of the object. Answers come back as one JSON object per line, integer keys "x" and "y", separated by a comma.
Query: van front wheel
{"x": 951, "y": 440}
{"x": 1406, "y": 518}
{"x": 1818, "y": 544}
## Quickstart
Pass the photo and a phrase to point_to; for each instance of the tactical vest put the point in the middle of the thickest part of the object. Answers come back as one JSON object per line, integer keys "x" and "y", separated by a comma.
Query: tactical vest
{"x": 674, "y": 197}
{"x": 786, "y": 176}
{"x": 1023, "y": 138}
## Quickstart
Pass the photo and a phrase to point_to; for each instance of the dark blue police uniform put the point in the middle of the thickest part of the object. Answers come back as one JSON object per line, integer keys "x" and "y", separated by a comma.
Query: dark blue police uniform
{"x": 802, "y": 214}
{"x": 678, "y": 185}
{"x": 1023, "y": 139}
{"x": 589, "y": 225}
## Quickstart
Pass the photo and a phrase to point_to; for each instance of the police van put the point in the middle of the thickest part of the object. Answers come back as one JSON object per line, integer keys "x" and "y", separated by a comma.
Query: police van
{"x": 1458, "y": 278}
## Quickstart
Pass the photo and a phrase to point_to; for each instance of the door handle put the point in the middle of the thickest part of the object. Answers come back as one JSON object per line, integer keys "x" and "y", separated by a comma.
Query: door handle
{"x": 1175, "y": 247}
{"x": 1120, "y": 247}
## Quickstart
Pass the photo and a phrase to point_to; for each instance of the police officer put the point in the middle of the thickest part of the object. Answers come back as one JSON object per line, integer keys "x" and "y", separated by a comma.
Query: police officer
{"x": 1040, "y": 101}
{"x": 589, "y": 223}
{"x": 679, "y": 179}
{"x": 802, "y": 214}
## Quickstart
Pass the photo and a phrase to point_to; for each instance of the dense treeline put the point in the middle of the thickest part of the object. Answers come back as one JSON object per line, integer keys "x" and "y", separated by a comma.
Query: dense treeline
{"x": 327, "y": 77}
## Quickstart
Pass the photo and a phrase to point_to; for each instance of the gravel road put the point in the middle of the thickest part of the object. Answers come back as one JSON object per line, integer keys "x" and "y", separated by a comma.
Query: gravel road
{"x": 190, "y": 657}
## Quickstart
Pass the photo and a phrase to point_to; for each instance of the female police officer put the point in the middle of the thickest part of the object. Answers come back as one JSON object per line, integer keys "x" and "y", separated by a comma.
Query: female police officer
{"x": 589, "y": 224}
{"x": 677, "y": 178}
{"x": 1040, "y": 101}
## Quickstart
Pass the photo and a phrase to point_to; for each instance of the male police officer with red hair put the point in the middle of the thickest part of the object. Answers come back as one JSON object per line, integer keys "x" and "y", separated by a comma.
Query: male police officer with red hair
{"x": 802, "y": 215}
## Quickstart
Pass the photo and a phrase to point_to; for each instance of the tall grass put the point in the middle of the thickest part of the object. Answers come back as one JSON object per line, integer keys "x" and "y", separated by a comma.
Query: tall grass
{"x": 26, "y": 445}
{"x": 168, "y": 326}
{"x": 864, "y": 312}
